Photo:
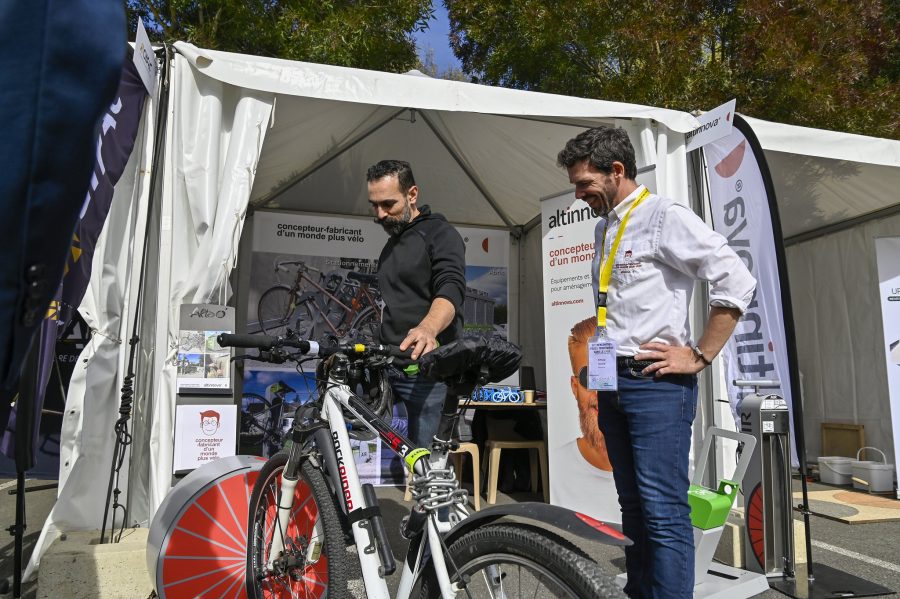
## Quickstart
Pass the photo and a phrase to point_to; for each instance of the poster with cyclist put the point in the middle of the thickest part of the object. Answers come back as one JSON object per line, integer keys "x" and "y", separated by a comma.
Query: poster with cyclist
{"x": 315, "y": 274}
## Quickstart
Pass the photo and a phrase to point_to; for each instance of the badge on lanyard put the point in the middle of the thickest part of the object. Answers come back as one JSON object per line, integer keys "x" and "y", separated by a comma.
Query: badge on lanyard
{"x": 601, "y": 365}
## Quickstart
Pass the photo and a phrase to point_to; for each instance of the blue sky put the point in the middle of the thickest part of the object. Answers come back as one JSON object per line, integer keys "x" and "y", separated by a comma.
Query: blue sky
{"x": 437, "y": 37}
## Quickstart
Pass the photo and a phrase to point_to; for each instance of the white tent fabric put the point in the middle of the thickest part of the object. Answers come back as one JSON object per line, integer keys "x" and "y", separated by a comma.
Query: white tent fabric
{"x": 213, "y": 144}
{"x": 836, "y": 192}
{"x": 92, "y": 403}
{"x": 837, "y": 315}
{"x": 824, "y": 178}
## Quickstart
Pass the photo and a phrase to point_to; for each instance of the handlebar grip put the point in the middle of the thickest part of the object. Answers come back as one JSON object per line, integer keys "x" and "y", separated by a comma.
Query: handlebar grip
{"x": 253, "y": 341}
{"x": 265, "y": 342}
{"x": 401, "y": 359}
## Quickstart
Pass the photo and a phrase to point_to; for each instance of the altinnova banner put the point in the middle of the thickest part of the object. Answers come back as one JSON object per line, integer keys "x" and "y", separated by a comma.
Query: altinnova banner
{"x": 887, "y": 254}
{"x": 580, "y": 473}
{"x": 741, "y": 212}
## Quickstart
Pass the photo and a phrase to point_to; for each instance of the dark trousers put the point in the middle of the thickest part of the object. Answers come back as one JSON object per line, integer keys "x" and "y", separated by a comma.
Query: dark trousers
{"x": 647, "y": 428}
{"x": 423, "y": 399}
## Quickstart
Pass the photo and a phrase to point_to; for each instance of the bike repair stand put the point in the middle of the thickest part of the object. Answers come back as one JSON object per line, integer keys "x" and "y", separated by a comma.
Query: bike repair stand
{"x": 709, "y": 511}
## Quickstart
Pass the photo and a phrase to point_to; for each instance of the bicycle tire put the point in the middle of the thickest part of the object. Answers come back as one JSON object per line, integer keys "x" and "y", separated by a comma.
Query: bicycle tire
{"x": 368, "y": 325}
{"x": 527, "y": 556}
{"x": 274, "y": 310}
{"x": 315, "y": 520}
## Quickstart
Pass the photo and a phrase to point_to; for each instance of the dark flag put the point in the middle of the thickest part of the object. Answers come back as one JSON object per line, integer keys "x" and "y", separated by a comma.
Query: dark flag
{"x": 116, "y": 137}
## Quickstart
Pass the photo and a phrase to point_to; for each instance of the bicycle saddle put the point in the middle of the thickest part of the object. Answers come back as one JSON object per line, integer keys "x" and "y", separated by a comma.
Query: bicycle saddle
{"x": 471, "y": 361}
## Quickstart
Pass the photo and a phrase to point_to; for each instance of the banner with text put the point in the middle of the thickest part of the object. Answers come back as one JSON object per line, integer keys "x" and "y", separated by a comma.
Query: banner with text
{"x": 308, "y": 273}
{"x": 742, "y": 211}
{"x": 580, "y": 475}
{"x": 887, "y": 255}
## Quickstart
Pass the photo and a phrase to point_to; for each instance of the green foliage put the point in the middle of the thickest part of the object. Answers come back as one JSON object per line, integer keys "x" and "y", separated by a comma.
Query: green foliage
{"x": 369, "y": 35}
{"x": 824, "y": 63}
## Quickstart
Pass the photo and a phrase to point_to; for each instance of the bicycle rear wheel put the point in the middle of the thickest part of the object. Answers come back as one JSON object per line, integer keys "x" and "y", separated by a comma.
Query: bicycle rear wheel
{"x": 314, "y": 563}
{"x": 513, "y": 560}
{"x": 368, "y": 326}
{"x": 274, "y": 310}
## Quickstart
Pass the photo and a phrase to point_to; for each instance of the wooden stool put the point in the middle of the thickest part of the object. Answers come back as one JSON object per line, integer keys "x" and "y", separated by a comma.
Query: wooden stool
{"x": 493, "y": 449}
{"x": 458, "y": 455}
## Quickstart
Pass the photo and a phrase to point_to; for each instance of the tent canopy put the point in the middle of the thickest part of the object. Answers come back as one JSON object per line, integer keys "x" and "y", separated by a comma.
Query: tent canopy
{"x": 827, "y": 180}
{"x": 481, "y": 155}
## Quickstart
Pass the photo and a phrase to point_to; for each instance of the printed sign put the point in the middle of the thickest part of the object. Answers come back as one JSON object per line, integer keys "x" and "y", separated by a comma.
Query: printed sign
{"x": 312, "y": 274}
{"x": 203, "y": 366}
{"x": 714, "y": 124}
{"x": 203, "y": 433}
{"x": 887, "y": 252}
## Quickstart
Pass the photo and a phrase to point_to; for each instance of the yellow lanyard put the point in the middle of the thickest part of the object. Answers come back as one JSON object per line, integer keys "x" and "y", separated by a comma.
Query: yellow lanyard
{"x": 607, "y": 263}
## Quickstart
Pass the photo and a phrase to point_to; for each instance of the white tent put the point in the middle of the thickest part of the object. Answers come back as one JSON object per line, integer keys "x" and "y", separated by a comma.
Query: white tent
{"x": 245, "y": 132}
{"x": 836, "y": 193}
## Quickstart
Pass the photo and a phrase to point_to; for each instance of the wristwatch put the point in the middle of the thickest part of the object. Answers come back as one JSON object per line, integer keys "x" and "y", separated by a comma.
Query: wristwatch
{"x": 699, "y": 353}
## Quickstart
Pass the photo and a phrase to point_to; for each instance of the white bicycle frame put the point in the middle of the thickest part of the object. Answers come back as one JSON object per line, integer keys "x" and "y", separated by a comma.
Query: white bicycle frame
{"x": 336, "y": 396}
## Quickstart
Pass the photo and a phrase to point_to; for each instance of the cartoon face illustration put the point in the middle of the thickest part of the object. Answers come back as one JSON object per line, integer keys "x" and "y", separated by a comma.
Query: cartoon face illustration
{"x": 209, "y": 422}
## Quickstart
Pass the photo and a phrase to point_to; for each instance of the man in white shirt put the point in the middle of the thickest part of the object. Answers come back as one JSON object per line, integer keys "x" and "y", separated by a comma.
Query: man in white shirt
{"x": 646, "y": 423}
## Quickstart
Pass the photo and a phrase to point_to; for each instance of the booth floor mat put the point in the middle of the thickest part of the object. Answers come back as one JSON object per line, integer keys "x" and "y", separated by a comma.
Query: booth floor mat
{"x": 852, "y": 507}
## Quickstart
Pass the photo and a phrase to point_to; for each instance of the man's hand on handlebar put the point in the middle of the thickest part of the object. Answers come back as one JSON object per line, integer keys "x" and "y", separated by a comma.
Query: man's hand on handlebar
{"x": 420, "y": 340}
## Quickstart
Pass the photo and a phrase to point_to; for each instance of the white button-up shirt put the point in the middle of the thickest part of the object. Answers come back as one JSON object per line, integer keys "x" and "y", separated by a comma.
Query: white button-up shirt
{"x": 664, "y": 249}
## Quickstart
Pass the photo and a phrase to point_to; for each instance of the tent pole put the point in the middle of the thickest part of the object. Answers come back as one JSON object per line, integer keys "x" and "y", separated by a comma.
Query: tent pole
{"x": 472, "y": 176}
{"x": 326, "y": 159}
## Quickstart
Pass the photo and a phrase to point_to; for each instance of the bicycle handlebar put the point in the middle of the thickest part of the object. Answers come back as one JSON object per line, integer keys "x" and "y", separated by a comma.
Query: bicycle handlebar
{"x": 281, "y": 265}
{"x": 268, "y": 343}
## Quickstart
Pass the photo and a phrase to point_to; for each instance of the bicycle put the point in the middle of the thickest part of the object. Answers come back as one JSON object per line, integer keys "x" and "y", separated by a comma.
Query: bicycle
{"x": 333, "y": 305}
{"x": 308, "y": 503}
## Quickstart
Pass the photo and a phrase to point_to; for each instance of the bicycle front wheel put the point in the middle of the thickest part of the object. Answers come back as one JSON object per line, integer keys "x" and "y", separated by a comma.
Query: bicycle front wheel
{"x": 314, "y": 562}
{"x": 512, "y": 560}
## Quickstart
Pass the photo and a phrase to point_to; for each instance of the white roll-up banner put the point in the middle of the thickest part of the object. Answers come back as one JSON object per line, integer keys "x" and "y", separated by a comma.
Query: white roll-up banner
{"x": 743, "y": 207}
{"x": 887, "y": 255}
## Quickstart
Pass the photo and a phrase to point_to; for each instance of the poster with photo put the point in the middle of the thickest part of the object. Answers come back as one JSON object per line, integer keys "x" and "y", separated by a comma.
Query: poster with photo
{"x": 203, "y": 366}
{"x": 315, "y": 275}
{"x": 203, "y": 433}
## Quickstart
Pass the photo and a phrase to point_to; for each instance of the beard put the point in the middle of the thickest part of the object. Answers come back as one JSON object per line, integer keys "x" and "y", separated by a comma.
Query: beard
{"x": 605, "y": 199}
{"x": 590, "y": 429}
{"x": 394, "y": 225}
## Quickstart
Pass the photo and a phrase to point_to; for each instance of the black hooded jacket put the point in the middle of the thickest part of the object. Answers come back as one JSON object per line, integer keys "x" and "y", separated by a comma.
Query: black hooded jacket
{"x": 425, "y": 261}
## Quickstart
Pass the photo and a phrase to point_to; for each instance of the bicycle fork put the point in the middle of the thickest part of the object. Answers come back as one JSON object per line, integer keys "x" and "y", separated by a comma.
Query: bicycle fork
{"x": 288, "y": 485}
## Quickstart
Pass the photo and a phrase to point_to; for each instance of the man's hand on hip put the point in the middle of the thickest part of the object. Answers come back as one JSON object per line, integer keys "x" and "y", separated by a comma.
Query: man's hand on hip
{"x": 670, "y": 359}
{"x": 421, "y": 340}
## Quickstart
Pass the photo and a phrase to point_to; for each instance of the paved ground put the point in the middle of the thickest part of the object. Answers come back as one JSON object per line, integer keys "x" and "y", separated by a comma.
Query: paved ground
{"x": 869, "y": 551}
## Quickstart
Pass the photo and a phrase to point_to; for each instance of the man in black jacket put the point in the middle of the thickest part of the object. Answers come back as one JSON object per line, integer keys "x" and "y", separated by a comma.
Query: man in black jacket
{"x": 421, "y": 274}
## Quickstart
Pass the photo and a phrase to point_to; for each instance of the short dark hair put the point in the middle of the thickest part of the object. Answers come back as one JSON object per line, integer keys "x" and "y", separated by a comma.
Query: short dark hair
{"x": 389, "y": 168}
{"x": 602, "y": 146}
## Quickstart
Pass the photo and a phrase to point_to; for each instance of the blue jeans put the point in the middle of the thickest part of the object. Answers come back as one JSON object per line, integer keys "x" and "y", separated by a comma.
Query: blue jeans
{"x": 423, "y": 399}
{"x": 647, "y": 428}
